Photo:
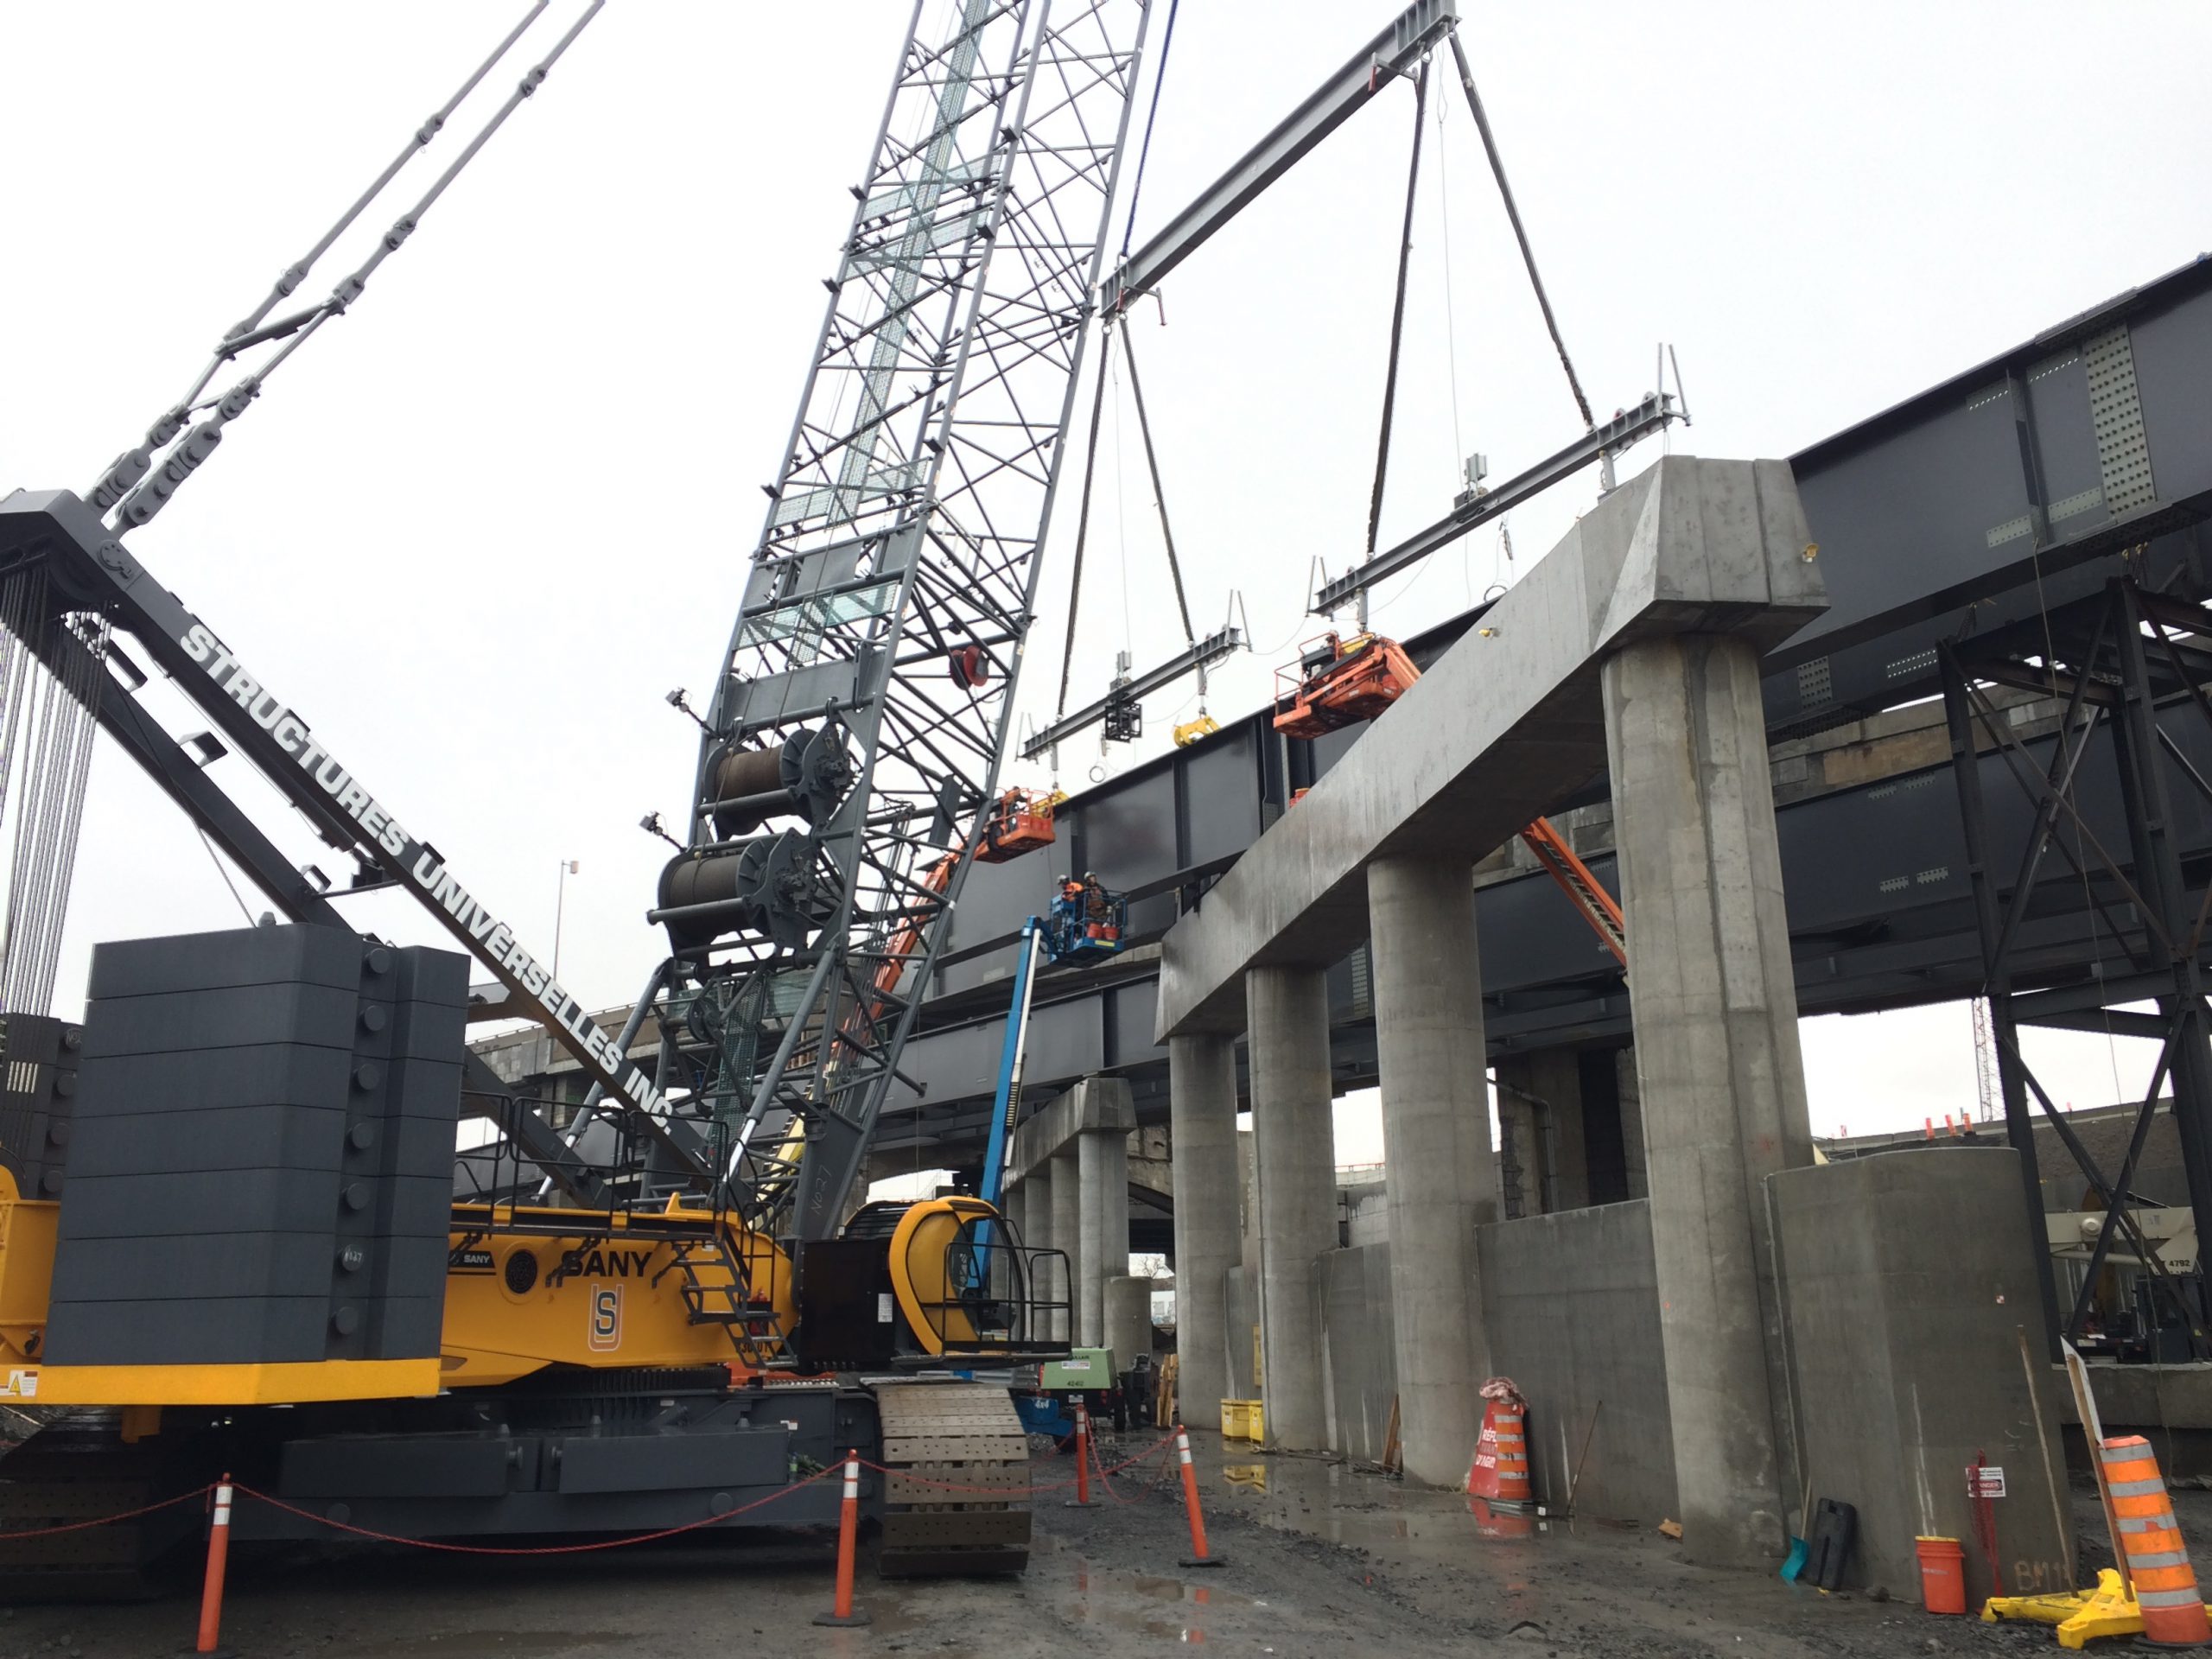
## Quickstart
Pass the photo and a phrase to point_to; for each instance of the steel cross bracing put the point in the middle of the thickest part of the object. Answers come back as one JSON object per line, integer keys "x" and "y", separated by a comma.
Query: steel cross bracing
{"x": 2131, "y": 668}
{"x": 902, "y": 534}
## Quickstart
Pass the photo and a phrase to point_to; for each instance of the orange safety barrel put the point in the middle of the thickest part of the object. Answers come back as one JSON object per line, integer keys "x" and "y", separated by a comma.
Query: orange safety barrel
{"x": 2158, "y": 1565}
{"x": 1500, "y": 1471}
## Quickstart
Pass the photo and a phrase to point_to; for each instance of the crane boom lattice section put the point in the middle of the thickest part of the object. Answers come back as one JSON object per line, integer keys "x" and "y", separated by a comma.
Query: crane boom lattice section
{"x": 856, "y": 734}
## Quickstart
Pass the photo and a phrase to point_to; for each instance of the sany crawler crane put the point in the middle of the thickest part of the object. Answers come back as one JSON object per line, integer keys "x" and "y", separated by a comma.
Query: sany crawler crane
{"x": 656, "y": 1314}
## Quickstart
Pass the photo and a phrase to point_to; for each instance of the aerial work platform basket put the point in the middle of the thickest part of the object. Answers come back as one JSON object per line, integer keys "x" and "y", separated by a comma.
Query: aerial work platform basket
{"x": 1019, "y": 821}
{"x": 1337, "y": 682}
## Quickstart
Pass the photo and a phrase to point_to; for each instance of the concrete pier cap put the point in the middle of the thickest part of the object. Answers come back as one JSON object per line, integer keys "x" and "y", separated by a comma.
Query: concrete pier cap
{"x": 1507, "y": 723}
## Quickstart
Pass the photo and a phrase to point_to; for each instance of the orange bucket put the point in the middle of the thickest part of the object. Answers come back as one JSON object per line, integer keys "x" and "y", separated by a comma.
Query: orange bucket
{"x": 1942, "y": 1575}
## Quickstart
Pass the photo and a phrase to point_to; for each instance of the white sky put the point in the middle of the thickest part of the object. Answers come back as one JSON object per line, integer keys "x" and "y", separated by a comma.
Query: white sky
{"x": 483, "y": 523}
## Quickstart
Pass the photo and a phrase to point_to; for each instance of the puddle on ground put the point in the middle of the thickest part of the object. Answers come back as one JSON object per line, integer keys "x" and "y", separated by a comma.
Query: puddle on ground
{"x": 1170, "y": 1609}
{"x": 493, "y": 1644}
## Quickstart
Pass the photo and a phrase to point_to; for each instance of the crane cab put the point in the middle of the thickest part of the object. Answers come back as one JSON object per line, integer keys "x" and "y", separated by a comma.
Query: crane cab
{"x": 1339, "y": 682}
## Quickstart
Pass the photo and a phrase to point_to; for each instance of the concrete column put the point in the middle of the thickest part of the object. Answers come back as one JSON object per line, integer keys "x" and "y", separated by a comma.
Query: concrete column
{"x": 1202, "y": 1116}
{"x": 1248, "y": 1204}
{"x": 1103, "y": 1157}
{"x": 1295, "y": 1157}
{"x": 1032, "y": 1197}
{"x": 1067, "y": 1236}
{"x": 1631, "y": 1125}
{"x": 1440, "y": 1180}
{"x": 1720, "y": 1078}
{"x": 1129, "y": 1320}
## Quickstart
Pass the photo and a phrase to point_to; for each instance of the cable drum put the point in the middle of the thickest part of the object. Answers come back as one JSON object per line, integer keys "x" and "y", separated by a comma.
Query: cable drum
{"x": 766, "y": 886}
{"x": 806, "y": 775}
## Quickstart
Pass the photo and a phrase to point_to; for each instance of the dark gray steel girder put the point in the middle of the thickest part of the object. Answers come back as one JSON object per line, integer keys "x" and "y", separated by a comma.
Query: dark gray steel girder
{"x": 1623, "y": 429}
{"x": 1394, "y": 52}
{"x": 1226, "y": 642}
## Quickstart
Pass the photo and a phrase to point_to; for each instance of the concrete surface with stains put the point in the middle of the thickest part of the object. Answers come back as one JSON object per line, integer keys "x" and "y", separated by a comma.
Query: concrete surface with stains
{"x": 1321, "y": 1559}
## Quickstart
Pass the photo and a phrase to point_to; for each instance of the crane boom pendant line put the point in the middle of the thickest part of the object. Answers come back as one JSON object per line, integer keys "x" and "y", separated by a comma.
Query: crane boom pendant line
{"x": 894, "y": 583}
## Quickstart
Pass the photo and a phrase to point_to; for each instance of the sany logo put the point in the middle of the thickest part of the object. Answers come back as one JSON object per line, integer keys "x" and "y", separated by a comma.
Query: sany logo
{"x": 606, "y": 1332}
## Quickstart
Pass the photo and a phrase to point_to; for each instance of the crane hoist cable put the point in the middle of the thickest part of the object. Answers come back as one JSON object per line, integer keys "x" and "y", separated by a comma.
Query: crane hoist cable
{"x": 1081, "y": 537}
{"x": 1082, "y": 518}
{"x": 1520, "y": 234}
{"x": 1397, "y": 313}
{"x": 1159, "y": 495}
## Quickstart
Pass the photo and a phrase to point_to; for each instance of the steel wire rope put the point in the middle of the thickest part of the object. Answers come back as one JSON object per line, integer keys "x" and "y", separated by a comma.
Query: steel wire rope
{"x": 216, "y": 860}
{"x": 1159, "y": 494}
{"x": 1082, "y": 528}
{"x": 1520, "y": 232}
{"x": 1398, "y": 316}
{"x": 1151, "y": 115}
{"x": 297, "y": 330}
{"x": 1122, "y": 517}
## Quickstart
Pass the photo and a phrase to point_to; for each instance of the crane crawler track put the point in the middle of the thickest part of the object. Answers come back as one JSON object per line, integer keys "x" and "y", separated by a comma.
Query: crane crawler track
{"x": 956, "y": 1497}
{"x": 79, "y": 1468}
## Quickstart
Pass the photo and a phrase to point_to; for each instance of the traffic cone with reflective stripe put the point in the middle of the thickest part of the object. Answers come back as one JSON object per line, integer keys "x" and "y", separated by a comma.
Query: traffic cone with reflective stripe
{"x": 2158, "y": 1566}
{"x": 842, "y": 1611}
{"x": 211, "y": 1588}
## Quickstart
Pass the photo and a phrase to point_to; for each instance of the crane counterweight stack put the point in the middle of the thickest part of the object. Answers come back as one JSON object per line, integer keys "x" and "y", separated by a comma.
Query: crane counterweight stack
{"x": 520, "y": 1358}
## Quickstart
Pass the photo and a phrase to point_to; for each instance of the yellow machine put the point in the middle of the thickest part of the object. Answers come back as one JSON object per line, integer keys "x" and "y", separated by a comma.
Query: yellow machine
{"x": 597, "y": 1371}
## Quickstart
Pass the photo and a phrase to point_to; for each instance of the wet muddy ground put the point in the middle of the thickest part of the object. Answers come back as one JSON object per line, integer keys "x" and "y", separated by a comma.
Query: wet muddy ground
{"x": 1319, "y": 1559}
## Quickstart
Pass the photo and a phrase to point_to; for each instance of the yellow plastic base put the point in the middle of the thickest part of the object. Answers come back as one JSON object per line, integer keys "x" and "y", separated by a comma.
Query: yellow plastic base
{"x": 2080, "y": 1615}
{"x": 290, "y": 1383}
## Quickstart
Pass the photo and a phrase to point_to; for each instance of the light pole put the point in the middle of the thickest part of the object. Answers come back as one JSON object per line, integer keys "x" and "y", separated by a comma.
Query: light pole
{"x": 560, "y": 894}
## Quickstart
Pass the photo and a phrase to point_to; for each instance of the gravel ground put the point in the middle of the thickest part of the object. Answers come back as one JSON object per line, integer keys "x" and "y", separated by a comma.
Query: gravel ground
{"x": 1324, "y": 1560}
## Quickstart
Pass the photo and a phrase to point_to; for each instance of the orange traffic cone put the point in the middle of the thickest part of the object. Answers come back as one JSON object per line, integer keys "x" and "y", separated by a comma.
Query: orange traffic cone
{"x": 2158, "y": 1565}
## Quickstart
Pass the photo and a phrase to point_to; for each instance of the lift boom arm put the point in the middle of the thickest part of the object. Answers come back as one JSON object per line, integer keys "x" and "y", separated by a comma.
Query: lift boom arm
{"x": 93, "y": 567}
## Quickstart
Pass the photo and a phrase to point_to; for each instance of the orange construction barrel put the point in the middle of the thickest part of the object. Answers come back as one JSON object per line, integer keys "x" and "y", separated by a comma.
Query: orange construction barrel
{"x": 2158, "y": 1565}
{"x": 1942, "y": 1575}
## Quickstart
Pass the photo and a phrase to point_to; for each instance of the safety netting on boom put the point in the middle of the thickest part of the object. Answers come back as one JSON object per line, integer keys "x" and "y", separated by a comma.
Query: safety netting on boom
{"x": 50, "y": 663}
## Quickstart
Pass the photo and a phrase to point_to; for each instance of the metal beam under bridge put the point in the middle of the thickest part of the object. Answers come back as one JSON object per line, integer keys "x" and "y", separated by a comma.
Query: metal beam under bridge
{"x": 2028, "y": 480}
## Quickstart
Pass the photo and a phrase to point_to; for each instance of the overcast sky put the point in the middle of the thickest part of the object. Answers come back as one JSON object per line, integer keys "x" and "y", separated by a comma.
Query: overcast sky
{"x": 481, "y": 525}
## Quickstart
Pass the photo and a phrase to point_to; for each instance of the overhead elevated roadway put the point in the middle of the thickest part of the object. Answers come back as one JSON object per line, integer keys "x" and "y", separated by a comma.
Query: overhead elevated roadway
{"x": 1917, "y": 512}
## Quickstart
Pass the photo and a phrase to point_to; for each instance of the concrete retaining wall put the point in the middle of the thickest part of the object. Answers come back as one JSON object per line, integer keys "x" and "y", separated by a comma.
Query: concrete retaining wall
{"x": 1908, "y": 1279}
{"x": 1359, "y": 1380}
{"x": 1571, "y": 1306}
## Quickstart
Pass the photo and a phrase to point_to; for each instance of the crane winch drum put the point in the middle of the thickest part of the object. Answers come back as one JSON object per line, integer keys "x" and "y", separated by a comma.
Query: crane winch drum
{"x": 805, "y": 776}
{"x": 766, "y": 885}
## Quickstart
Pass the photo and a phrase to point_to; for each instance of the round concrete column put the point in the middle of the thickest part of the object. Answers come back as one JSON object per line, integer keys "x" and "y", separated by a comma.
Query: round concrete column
{"x": 1128, "y": 1320}
{"x": 1032, "y": 1214}
{"x": 1202, "y": 1126}
{"x": 1718, "y": 1073}
{"x": 1067, "y": 1236}
{"x": 1440, "y": 1181}
{"x": 1294, "y": 1147}
{"x": 1102, "y": 1156}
